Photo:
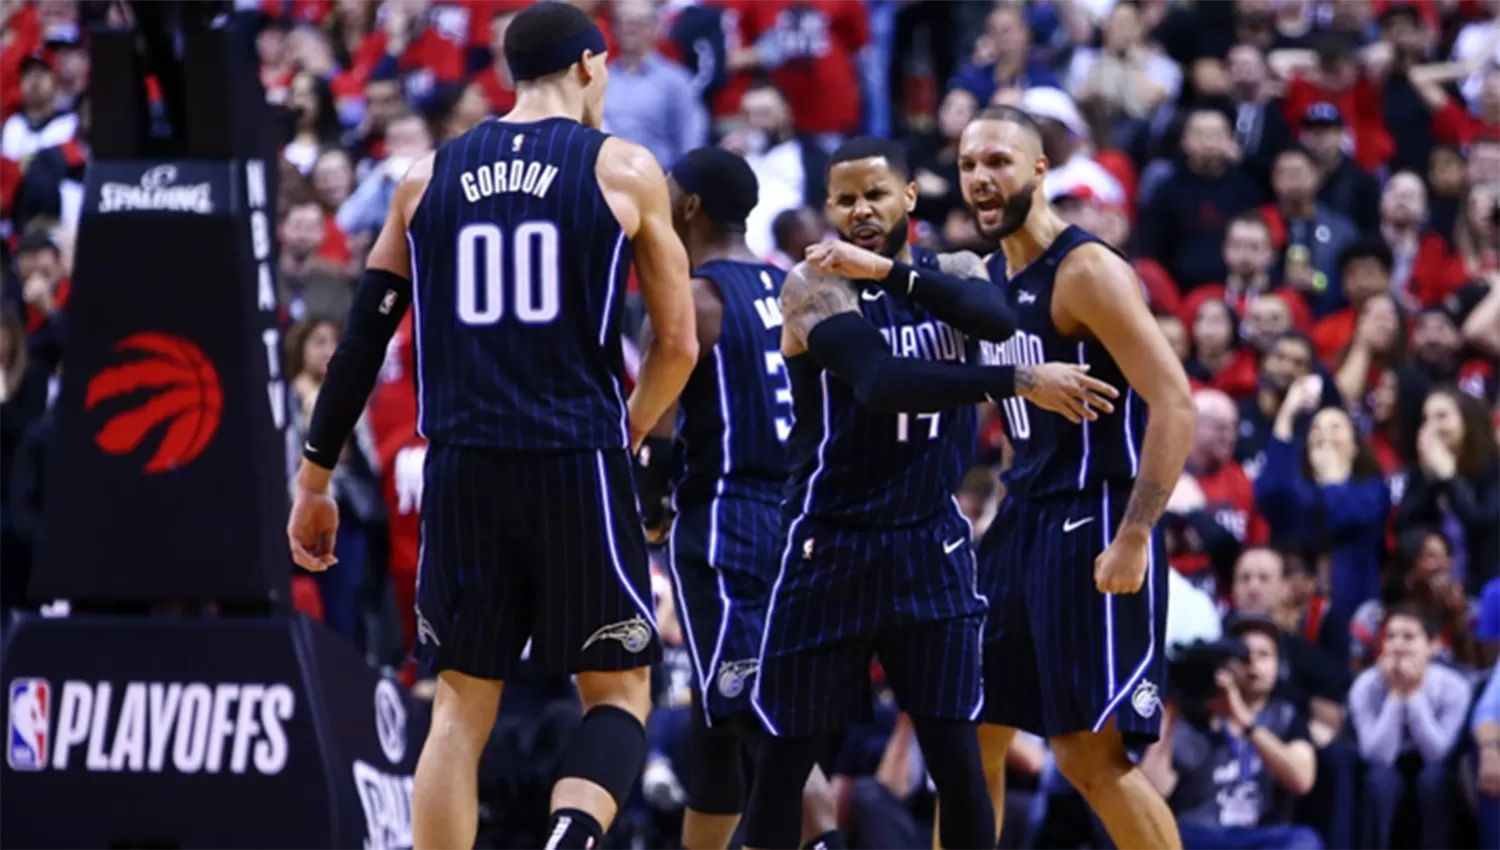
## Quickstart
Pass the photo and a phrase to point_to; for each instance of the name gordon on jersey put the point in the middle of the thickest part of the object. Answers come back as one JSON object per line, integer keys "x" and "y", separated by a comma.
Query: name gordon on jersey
{"x": 925, "y": 341}
{"x": 503, "y": 178}
{"x": 194, "y": 728}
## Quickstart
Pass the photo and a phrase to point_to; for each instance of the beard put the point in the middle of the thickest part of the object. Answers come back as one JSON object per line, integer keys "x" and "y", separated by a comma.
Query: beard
{"x": 1015, "y": 211}
{"x": 895, "y": 240}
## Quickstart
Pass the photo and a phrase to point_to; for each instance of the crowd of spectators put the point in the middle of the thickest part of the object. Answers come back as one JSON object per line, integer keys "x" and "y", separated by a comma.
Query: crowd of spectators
{"x": 1308, "y": 190}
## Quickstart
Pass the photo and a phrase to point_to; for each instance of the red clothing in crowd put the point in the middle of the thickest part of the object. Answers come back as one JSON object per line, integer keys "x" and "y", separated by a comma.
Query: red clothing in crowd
{"x": 821, "y": 86}
{"x": 1363, "y": 114}
{"x": 1437, "y": 271}
{"x": 36, "y": 318}
{"x": 428, "y": 60}
{"x": 1457, "y": 126}
{"x": 500, "y": 95}
{"x": 393, "y": 423}
{"x": 25, "y": 37}
{"x": 1333, "y": 333}
{"x": 1230, "y": 498}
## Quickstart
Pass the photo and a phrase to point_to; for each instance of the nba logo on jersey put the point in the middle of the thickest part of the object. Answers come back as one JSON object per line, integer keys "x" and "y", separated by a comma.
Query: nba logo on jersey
{"x": 30, "y": 716}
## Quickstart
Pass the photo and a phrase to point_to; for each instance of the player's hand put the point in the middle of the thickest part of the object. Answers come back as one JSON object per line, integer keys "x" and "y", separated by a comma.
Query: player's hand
{"x": 311, "y": 529}
{"x": 847, "y": 260}
{"x": 1121, "y": 567}
{"x": 1067, "y": 389}
{"x": 1489, "y": 771}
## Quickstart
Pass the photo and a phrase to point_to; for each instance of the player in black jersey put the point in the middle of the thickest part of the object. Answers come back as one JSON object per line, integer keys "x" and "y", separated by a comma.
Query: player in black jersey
{"x": 877, "y": 559}
{"x": 1076, "y": 573}
{"x": 512, "y": 243}
{"x": 714, "y": 469}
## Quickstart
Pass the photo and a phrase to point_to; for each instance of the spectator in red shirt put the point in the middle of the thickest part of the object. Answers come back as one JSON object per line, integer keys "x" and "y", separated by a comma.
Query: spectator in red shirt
{"x": 1365, "y": 272}
{"x": 1337, "y": 79}
{"x": 808, "y": 50}
{"x": 400, "y": 452}
{"x": 406, "y": 47}
{"x": 1403, "y": 227}
{"x": 1214, "y": 505}
{"x": 1218, "y": 360}
{"x": 1378, "y": 344}
{"x": 1441, "y": 269}
{"x": 1451, "y": 121}
{"x": 495, "y": 80}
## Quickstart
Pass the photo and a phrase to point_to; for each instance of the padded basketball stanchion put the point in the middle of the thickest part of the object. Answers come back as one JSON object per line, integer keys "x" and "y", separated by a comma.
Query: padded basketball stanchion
{"x": 167, "y": 489}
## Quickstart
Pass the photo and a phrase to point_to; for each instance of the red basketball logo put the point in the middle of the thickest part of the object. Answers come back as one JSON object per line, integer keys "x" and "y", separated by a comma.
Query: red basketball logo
{"x": 185, "y": 396}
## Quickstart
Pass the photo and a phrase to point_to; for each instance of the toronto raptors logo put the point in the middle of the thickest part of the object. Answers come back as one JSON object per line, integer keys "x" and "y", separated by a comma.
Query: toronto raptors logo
{"x": 185, "y": 396}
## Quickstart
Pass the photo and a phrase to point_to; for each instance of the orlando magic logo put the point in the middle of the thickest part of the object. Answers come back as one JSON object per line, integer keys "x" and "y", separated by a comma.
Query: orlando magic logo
{"x": 633, "y": 634}
{"x": 425, "y": 631}
{"x": 733, "y": 675}
{"x": 1145, "y": 699}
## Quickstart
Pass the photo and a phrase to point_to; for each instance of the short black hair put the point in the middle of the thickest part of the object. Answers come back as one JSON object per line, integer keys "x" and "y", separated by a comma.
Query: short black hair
{"x": 786, "y": 223}
{"x": 870, "y": 147}
{"x": 723, "y": 181}
{"x": 36, "y": 242}
{"x": 1012, "y": 115}
{"x": 1369, "y": 248}
{"x": 1413, "y": 611}
{"x": 543, "y": 24}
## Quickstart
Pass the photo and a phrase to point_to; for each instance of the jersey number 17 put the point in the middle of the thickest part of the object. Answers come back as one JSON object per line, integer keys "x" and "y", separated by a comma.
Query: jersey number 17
{"x": 534, "y": 280}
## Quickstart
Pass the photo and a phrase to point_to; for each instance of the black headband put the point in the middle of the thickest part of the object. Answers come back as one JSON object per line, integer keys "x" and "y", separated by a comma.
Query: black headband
{"x": 534, "y": 62}
{"x": 720, "y": 207}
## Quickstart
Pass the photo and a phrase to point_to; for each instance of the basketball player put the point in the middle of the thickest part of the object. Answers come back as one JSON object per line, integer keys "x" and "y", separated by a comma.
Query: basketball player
{"x": 517, "y": 236}
{"x": 723, "y": 461}
{"x": 877, "y": 558}
{"x": 1076, "y": 574}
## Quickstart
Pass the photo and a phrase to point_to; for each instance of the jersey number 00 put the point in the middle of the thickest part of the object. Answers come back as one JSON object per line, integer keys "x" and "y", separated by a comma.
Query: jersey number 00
{"x": 534, "y": 286}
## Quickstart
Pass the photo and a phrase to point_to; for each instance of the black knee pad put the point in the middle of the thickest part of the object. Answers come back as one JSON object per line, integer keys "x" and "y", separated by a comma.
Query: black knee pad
{"x": 715, "y": 780}
{"x": 773, "y": 816}
{"x": 950, "y": 749}
{"x": 608, "y": 750}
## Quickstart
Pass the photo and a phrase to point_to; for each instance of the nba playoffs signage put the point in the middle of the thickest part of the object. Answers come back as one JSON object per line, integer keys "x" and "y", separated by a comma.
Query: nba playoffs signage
{"x": 202, "y": 732}
{"x": 172, "y": 413}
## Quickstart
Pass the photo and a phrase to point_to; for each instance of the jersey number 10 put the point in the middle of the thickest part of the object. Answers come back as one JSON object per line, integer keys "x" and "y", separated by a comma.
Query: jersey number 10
{"x": 534, "y": 287}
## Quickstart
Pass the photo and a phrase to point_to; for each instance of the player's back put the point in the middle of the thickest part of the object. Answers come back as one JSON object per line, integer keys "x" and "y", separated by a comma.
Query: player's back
{"x": 737, "y": 406}
{"x": 518, "y": 273}
{"x": 1052, "y": 455}
{"x": 858, "y": 467}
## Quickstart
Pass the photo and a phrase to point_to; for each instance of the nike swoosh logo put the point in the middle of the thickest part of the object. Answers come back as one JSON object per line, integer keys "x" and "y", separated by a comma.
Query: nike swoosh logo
{"x": 1073, "y": 524}
{"x": 872, "y": 294}
{"x": 951, "y": 547}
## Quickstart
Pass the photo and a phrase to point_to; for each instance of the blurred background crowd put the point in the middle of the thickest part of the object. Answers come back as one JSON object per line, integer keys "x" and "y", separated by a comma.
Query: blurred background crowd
{"x": 1309, "y": 191}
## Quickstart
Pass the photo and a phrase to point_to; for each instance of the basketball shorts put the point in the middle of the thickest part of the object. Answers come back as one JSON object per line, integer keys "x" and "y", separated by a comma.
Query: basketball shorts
{"x": 842, "y": 596}
{"x": 521, "y": 547}
{"x": 723, "y": 557}
{"x": 1059, "y": 655}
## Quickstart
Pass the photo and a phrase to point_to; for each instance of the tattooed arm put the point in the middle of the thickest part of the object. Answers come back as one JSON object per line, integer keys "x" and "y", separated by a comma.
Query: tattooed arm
{"x": 1098, "y": 295}
{"x": 821, "y": 317}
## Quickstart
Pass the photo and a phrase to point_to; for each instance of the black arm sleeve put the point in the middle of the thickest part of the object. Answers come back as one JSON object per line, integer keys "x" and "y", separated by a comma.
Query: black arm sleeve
{"x": 379, "y": 303}
{"x": 974, "y": 306}
{"x": 854, "y": 351}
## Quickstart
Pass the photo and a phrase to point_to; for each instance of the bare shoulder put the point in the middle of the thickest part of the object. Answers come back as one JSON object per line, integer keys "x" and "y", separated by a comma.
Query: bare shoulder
{"x": 413, "y": 185}
{"x": 1097, "y": 286}
{"x": 1094, "y": 265}
{"x": 632, "y": 184}
{"x": 963, "y": 264}
{"x": 626, "y": 166}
